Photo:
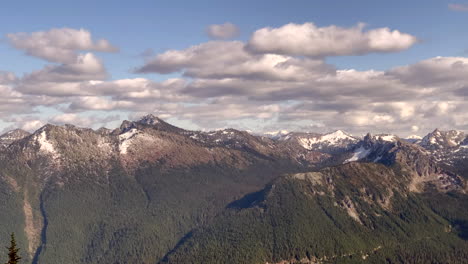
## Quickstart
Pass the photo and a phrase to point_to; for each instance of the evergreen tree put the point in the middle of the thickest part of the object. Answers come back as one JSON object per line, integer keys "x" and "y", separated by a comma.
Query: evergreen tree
{"x": 13, "y": 257}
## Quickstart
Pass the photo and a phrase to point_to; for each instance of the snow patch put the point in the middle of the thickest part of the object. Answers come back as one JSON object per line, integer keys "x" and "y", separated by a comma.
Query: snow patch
{"x": 46, "y": 146}
{"x": 336, "y": 137}
{"x": 389, "y": 138}
{"x": 358, "y": 154}
{"x": 308, "y": 142}
{"x": 133, "y": 136}
{"x": 126, "y": 140}
{"x": 331, "y": 139}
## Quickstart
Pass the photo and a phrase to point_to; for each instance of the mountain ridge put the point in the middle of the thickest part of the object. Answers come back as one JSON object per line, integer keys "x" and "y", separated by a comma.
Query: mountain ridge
{"x": 157, "y": 184}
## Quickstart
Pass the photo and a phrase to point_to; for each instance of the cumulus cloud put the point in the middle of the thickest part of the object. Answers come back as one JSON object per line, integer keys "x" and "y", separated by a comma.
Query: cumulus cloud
{"x": 80, "y": 120}
{"x": 64, "y": 79}
{"x": 434, "y": 72}
{"x": 85, "y": 67}
{"x": 31, "y": 125}
{"x": 25, "y": 122}
{"x": 33, "y": 122}
{"x": 196, "y": 56}
{"x": 99, "y": 103}
{"x": 59, "y": 45}
{"x": 458, "y": 7}
{"x": 343, "y": 85}
{"x": 309, "y": 40}
{"x": 71, "y": 68}
{"x": 219, "y": 60}
{"x": 13, "y": 102}
{"x": 222, "y": 31}
{"x": 231, "y": 83}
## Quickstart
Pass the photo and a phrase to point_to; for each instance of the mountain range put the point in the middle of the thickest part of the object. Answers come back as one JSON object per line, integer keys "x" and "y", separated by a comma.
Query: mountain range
{"x": 150, "y": 192}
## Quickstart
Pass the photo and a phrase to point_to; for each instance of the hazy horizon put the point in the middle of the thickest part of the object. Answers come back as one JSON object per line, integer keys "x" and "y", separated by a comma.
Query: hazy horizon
{"x": 273, "y": 133}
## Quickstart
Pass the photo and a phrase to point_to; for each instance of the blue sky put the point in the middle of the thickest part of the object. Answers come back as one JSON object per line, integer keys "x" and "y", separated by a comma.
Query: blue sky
{"x": 157, "y": 26}
{"x": 160, "y": 25}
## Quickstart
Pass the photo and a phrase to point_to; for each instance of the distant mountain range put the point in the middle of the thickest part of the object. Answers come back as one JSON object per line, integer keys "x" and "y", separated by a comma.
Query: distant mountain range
{"x": 150, "y": 192}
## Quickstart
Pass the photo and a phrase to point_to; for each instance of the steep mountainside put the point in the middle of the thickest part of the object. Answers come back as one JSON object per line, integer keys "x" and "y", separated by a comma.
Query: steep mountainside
{"x": 147, "y": 180}
{"x": 150, "y": 192}
{"x": 352, "y": 213}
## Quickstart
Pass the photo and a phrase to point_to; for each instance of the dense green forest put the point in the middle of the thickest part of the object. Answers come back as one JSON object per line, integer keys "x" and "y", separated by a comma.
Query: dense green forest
{"x": 196, "y": 216}
{"x": 137, "y": 217}
{"x": 293, "y": 220}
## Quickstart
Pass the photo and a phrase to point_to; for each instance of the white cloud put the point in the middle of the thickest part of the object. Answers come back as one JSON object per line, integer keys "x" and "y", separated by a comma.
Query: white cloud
{"x": 450, "y": 72}
{"x": 59, "y": 44}
{"x": 99, "y": 103}
{"x": 223, "y": 31}
{"x": 309, "y": 40}
{"x": 25, "y": 122}
{"x": 220, "y": 60}
{"x": 31, "y": 125}
{"x": 34, "y": 122}
{"x": 225, "y": 84}
{"x": 85, "y": 67}
{"x": 80, "y": 120}
{"x": 13, "y": 102}
{"x": 213, "y": 52}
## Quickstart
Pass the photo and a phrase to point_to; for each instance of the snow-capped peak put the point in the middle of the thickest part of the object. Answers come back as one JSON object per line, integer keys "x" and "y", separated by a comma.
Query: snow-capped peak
{"x": 443, "y": 139}
{"x": 336, "y": 137}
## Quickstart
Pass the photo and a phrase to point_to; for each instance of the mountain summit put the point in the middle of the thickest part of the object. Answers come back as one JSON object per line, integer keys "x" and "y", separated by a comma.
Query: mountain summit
{"x": 443, "y": 139}
{"x": 149, "y": 119}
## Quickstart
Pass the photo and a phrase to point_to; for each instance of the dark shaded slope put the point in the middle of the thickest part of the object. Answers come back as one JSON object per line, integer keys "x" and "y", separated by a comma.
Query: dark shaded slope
{"x": 347, "y": 214}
